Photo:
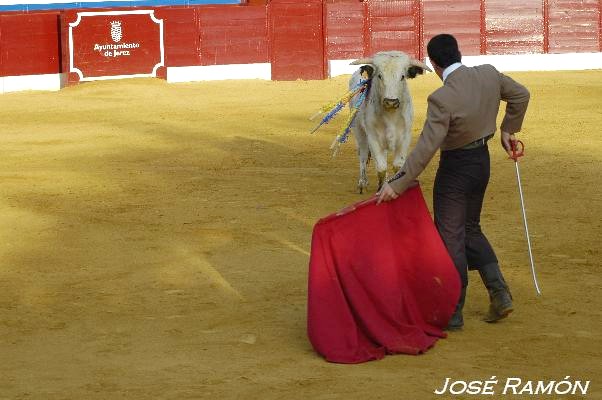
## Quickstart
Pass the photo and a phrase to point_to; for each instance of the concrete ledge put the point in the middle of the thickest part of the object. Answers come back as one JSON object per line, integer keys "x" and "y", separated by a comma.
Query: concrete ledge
{"x": 31, "y": 82}
{"x": 511, "y": 62}
{"x": 219, "y": 72}
{"x": 538, "y": 62}
{"x": 341, "y": 67}
{"x": 516, "y": 62}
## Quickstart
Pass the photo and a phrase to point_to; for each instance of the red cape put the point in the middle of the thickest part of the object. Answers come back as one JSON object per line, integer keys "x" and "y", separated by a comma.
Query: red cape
{"x": 380, "y": 281}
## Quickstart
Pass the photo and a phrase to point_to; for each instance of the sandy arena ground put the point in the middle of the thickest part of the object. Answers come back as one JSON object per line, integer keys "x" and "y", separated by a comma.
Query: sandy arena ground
{"x": 154, "y": 243}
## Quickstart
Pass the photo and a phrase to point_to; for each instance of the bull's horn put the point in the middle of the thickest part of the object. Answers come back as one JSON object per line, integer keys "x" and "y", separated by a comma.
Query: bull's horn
{"x": 362, "y": 61}
{"x": 419, "y": 64}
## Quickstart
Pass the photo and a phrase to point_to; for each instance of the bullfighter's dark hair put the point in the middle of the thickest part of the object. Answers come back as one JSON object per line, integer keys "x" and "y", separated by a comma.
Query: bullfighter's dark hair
{"x": 443, "y": 50}
{"x": 368, "y": 69}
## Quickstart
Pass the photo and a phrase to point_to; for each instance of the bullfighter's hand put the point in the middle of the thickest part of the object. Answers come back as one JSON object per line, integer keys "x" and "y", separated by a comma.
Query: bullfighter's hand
{"x": 507, "y": 139}
{"x": 386, "y": 193}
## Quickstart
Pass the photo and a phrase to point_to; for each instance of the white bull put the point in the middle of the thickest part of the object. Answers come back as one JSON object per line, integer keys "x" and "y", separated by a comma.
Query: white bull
{"x": 384, "y": 120}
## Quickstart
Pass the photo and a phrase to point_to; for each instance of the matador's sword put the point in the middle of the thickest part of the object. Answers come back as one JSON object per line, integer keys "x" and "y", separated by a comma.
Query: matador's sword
{"x": 518, "y": 150}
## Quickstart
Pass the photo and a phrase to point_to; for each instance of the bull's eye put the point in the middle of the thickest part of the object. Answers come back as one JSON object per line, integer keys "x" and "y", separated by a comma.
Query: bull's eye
{"x": 403, "y": 77}
{"x": 380, "y": 76}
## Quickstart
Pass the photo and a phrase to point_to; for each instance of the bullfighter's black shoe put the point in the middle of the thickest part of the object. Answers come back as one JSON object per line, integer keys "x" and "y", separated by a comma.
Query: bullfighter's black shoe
{"x": 456, "y": 321}
{"x": 499, "y": 294}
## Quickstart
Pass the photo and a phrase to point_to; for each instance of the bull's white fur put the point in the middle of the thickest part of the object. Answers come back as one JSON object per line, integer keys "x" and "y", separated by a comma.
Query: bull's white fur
{"x": 379, "y": 129}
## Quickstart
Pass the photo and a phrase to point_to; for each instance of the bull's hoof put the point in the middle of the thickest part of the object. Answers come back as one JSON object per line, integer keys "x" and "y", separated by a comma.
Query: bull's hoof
{"x": 382, "y": 176}
{"x": 361, "y": 185}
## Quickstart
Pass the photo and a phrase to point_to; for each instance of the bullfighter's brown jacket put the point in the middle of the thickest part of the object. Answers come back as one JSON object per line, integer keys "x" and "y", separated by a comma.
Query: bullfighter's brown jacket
{"x": 463, "y": 110}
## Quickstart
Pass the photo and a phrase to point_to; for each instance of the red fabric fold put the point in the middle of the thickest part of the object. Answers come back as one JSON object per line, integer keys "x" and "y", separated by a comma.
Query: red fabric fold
{"x": 380, "y": 281}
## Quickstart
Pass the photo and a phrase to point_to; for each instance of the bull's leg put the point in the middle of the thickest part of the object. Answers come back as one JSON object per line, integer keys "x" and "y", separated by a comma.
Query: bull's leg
{"x": 363, "y": 152}
{"x": 380, "y": 160}
{"x": 382, "y": 175}
{"x": 401, "y": 150}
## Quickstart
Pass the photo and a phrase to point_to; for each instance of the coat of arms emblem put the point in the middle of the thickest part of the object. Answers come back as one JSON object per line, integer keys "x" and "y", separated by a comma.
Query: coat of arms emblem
{"x": 116, "y": 34}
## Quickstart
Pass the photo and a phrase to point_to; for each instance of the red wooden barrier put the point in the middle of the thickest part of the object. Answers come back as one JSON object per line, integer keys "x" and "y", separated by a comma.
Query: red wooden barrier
{"x": 461, "y": 18}
{"x": 344, "y": 26}
{"x": 393, "y": 25}
{"x": 297, "y": 39}
{"x": 233, "y": 34}
{"x": 573, "y": 26}
{"x": 29, "y": 44}
{"x": 514, "y": 27}
{"x": 181, "y": 39}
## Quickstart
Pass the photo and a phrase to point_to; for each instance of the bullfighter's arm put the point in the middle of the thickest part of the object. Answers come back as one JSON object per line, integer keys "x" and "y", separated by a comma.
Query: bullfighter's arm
{"x": 516, "y": 97}
{"x": 431, "y": 138}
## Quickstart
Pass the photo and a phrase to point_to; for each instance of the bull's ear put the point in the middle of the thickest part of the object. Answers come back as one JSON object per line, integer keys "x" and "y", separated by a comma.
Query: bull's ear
{"x": 419, "y": 66}
{"x": 413, "y": 71}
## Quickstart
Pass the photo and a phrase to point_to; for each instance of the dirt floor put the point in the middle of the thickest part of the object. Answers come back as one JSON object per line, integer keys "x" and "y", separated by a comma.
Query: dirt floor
{"x": 154, "y": 243}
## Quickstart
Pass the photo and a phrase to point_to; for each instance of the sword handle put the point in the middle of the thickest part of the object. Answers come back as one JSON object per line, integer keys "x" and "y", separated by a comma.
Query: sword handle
{"x": 518, "y": 149}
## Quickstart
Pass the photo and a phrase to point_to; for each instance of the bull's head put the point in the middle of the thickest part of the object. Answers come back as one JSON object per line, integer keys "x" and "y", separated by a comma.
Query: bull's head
{"x": 390, "y": 71}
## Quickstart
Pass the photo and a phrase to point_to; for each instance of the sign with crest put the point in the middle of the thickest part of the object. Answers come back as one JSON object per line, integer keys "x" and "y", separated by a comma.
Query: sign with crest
{"x": 116, "y": 31}
{"x": 115, "y": 44}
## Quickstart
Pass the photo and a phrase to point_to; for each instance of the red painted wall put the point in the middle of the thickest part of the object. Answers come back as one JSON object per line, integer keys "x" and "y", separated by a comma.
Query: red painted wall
{"x": 29, "y": 44}
{"x": 573, "y": 26}
{"x": 181, "y": 36}
{"x": 233, "y": 34}
{"x": 394, "y": 25}
{"x": 299, "y": 37}
{"x": 514, "y": 27}
{"x": 214, "y": 35}
{"x": 344, "y": 25}
{"x": 461, "y": 18}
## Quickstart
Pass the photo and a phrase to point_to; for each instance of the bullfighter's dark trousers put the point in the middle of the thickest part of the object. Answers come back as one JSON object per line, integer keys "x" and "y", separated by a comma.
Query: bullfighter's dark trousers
{"x": 458, "y": 193}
